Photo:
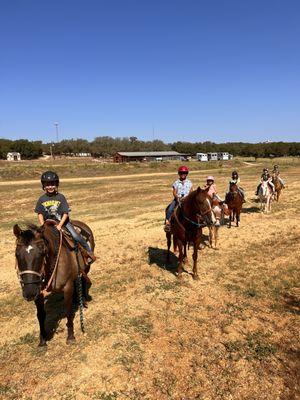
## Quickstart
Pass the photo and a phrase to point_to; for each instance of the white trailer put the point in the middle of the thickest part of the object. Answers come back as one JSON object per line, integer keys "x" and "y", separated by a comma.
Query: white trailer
{"x": 212, "y": 156}
{"x": 223, "y": 156}
{"x": 202, "y": 156}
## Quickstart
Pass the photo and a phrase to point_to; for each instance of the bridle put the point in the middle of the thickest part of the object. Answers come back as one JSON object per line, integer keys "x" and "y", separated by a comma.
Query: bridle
{"x": 200, "y": 215}
{"x": 40, "y": 274}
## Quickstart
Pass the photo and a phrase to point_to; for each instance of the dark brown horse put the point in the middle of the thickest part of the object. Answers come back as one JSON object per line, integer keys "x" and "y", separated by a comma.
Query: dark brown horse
{"x": 45, "y": 264}
{"x": 187, "y": 221}
{"x": 234, "y": 201}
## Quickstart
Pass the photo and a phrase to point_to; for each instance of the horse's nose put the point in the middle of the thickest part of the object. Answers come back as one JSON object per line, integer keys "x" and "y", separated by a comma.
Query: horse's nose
{"x": 31, "y": 291}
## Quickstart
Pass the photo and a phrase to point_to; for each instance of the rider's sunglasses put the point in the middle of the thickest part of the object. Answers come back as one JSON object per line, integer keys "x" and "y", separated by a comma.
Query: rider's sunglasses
{"x": 183, "y": 173}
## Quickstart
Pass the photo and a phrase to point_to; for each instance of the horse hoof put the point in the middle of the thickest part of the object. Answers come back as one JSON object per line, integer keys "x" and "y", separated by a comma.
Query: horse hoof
{"x": 196, "y": 277}
{"x": 42, "y": 343}
{"x": 71, "y": 340}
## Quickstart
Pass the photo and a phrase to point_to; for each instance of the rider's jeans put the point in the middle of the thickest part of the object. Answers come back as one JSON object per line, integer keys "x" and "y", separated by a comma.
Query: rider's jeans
{"x": 171, "y": 209}
{"x": 77, "y": 237}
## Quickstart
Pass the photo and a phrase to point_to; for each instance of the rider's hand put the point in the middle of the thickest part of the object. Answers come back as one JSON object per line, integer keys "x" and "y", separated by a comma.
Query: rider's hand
{"x": 58, "y": 227}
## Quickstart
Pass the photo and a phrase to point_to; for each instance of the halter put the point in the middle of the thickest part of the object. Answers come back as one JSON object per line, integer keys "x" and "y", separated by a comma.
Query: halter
{"x": 29, "y": 271}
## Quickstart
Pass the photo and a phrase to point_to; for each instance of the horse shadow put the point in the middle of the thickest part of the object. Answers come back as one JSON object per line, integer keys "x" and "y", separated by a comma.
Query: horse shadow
{"x": 253, "y": 209}
{"x": 55, "y": 312}
{"x": 158, "y": 257}
{"x": 55, "y": 309}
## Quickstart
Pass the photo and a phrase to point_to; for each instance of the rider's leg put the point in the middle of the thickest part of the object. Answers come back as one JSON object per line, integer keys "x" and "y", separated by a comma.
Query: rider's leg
{"x": 78, "y": 238}
{"x": 170, "y": 210}
{"x": 257, "y": 189}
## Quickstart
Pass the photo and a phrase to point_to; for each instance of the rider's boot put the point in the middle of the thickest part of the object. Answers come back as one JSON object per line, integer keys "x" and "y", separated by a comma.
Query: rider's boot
{"x": 167, "y": 227}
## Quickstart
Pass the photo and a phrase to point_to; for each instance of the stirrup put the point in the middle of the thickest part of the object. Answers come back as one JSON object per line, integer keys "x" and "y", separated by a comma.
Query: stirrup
{"x": 167, "y": 228}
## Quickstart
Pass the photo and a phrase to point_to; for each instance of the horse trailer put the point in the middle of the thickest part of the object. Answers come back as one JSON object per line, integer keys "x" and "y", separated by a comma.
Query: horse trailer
{"x": 202, "y": 156}
{"x": 223, "y": 156}
{"x": 212, "y": 156}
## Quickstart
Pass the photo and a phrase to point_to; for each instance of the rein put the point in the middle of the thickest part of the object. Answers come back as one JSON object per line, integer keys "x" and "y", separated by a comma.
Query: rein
{"x": 197, "y": 224}
{"x": 46, "y": 290}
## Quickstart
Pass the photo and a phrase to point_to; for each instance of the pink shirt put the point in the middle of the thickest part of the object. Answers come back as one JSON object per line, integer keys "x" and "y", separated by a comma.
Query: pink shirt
{"x": 212, "y": 190}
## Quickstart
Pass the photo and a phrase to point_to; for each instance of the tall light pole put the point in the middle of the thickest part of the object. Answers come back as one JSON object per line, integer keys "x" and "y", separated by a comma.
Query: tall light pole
{"x": 56, "y": 130}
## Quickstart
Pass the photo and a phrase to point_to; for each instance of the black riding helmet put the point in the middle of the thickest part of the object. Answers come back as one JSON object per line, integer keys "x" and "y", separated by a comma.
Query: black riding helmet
{"x": 49, "y": 176}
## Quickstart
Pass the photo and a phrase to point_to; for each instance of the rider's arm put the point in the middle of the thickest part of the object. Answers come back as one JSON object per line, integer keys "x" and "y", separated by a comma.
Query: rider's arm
{"x": 41, "y": 219}
{"x": 174, "y": 192}
{"x": 62, "y": 221}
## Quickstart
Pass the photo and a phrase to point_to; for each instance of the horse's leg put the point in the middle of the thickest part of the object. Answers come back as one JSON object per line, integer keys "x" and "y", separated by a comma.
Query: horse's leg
{"x": 68, "y": 296}
{"x": 216, "y": 236}
{"x": 195, "y": 257}
{"x": 184, "y": 253}
{"x": 175, "y": 246}
{"x": 211, "y": 236}
{"x": 230, "y": 218}
{"x": 237, "y": 217}
{"x": 168, "y": 236}
{"x": 180, "y": 258}
{"x": 278, "y": 194}
{"x": 41, "y": 314}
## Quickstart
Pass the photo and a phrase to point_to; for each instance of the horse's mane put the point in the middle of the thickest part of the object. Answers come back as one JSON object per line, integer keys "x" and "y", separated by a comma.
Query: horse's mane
{"x": 28, "y": 234}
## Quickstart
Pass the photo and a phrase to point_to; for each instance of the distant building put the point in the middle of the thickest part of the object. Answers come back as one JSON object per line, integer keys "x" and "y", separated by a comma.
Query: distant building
{"x": 148, "y": 156}
{"x": 13, "y": 156}
{"x": 202, "y": 156}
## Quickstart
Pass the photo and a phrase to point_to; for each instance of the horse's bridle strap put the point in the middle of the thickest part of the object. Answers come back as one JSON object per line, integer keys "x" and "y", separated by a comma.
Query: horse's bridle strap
{"x": 28, "y": 271}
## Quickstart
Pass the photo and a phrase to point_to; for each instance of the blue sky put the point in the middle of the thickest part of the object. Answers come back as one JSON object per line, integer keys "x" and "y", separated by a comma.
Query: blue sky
{"x": 172, "y": 70}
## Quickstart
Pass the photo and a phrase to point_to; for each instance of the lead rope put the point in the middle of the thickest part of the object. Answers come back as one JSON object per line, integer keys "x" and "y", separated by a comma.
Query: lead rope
{"x": 79, "y": 288}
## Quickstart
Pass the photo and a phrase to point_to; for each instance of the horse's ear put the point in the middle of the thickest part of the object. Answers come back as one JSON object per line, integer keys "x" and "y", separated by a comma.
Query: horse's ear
{"x": 199, "y": 189}
{"x": 39, "y": 232}
{"x": 17, "y": 230}
{"x": 206, "y": 189}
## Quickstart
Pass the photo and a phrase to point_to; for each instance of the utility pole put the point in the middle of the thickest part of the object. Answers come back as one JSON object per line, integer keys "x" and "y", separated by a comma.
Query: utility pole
{"x": 56, "y": 130}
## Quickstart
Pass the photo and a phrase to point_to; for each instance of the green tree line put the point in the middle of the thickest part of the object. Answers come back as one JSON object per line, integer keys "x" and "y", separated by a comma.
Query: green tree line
{"x": 104, "y": 146}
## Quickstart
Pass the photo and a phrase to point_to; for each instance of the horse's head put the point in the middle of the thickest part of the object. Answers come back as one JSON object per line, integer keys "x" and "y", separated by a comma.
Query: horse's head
{"x": 203, "y": 203}
{"x": 233, "y": 187}
{"x": 264, "y": 189}
{"x": 30, "y": 253}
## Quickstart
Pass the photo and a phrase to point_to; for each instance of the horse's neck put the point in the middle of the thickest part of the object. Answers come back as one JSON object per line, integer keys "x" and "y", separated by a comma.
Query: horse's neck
{"x": 190, "y": 206}
{"x": 265, "y": 188}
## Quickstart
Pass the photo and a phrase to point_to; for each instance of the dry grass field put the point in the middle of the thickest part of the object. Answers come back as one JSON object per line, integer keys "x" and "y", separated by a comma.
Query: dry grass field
{"x": 232, "y": 335}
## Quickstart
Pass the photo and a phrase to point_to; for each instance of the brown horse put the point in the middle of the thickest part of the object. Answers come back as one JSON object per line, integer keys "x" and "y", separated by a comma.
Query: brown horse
{"x": 278, "y": 187}
{"x": 234, "y": 201}
{"x": 186, "y": 226}
{"x": 43, "y": 268}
